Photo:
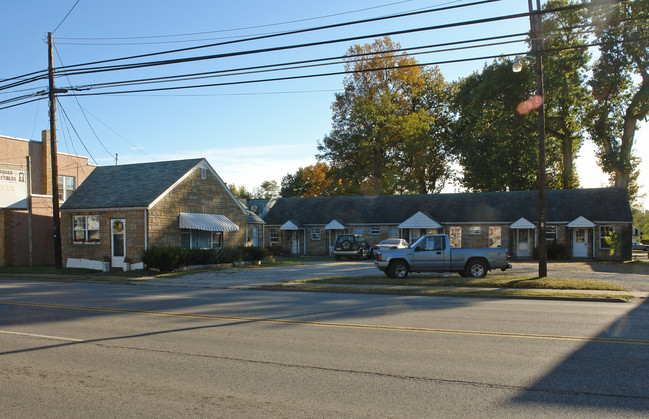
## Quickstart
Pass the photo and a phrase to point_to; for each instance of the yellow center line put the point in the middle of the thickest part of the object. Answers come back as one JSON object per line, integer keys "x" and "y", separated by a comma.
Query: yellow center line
{"x": 336, "y": 325}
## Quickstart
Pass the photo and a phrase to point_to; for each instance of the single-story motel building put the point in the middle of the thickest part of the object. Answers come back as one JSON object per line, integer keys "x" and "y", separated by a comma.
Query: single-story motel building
{"x": 578, "y": 219}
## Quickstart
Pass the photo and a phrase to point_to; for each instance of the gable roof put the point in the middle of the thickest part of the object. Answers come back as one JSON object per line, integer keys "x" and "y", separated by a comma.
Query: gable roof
{"x": 599, "y": 204}
{"x": 128, "y": 185}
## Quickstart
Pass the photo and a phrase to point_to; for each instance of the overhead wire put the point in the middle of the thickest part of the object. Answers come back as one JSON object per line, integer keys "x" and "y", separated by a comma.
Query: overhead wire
{"x": 75, "y": 131}
{"x": 246, "y": 27}
{"x": 286, "y": 33}
{"x": 82, "y": 111}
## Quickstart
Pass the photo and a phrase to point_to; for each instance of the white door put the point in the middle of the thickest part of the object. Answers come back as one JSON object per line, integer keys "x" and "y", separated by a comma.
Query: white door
{"x": 523, "y": 243}
{"x": 118, "y": 242}
{"x": 580, "y": 243}
{"x": 294, "y": 243}
{"x": 255, "y": 236}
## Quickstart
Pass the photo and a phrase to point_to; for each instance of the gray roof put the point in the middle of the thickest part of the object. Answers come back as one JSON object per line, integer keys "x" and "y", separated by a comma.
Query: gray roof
{"x": 601, "y": 204}
{"x": 128, "y": 185}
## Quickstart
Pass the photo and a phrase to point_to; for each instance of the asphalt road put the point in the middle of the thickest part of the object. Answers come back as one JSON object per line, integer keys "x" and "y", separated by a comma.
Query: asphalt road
{"x": 80, "y": 350}
{"x": 633, "y": 277}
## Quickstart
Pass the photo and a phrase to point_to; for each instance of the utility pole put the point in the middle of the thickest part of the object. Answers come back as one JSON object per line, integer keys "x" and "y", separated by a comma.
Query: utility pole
{"x": 56, "y": 219}
{"x": 537, "y": 46}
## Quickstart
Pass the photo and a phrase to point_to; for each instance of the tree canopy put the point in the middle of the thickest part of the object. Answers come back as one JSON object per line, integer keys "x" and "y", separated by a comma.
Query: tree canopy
{"x": 390, "y": 125}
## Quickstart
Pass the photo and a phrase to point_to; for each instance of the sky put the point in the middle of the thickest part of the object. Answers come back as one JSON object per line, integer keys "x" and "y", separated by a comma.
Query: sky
{"x": 249, "y": 132}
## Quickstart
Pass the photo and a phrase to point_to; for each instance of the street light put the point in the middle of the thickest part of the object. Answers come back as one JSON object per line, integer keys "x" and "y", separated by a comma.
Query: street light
{"x": 536, "y": 36}
{"x": 517, "y": 66}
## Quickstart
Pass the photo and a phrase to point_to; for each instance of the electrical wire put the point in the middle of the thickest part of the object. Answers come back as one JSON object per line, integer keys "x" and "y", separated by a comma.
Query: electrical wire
{"x": 244, "y": 28}
{"x": 75, "y": 130}
{"x": 293, "y": 32}
{"x": 66, "y": 16}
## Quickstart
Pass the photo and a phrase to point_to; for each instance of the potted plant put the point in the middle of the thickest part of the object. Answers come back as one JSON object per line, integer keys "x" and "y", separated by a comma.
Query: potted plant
{"x": 127, "y": 264}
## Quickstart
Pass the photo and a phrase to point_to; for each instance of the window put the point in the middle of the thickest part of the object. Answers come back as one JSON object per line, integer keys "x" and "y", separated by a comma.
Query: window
{"x": 66, "y": 187}
{"x": 203, "y": 173}
{"x": 475, "y": 230}
{"x": 375, "y": 231}
{"x": 359, "y": 230}
{"x": 315, "y": 233}
{"x": 393, "y": 232}
{"x": 604, "y": 231}
{"x": 551, "y": 233}
{"x": 85, "y": 229}
{"x": 274, "y": 237}
{"x": 217, "y": 240}
{"x": 455, "y": 235}
{"x": 495, "y": 236}
{"x": 433, "y": 243}
{"x": 185, "y": 239}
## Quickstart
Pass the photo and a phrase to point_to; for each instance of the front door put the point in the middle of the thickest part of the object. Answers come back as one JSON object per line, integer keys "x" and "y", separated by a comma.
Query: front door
{"x": 255, "y": 236}
{"x": 295, "y": 245}
{"x": 523, "y": 243}
{"x": 118, "y": 242}
{"x": 580, "y": 243}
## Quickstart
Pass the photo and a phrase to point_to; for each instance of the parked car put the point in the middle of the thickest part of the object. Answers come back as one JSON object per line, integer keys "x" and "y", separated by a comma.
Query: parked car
{"x": 388, "y": 244}
{"x": 352, "y": 246}
{"x": 433, "y": 253}
{"x": 640, "y": 246}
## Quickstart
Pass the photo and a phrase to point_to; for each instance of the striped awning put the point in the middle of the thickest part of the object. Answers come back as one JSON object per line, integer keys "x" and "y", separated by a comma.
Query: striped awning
{"x": 206, "y": 222}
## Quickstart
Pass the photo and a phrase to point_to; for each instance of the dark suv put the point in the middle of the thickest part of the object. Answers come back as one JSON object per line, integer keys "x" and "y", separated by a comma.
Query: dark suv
{"x": 352, "y": 246}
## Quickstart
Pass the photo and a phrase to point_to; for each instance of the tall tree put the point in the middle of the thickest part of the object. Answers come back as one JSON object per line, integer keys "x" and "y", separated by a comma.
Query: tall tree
{"x": 496, "y": 142}
{"x": 620, "y": 85}
{"x": 268, "y": 189}
{"x": 310, "y": 181}
{"x": 567, "y": 96}
{"x": 382, "y": 124}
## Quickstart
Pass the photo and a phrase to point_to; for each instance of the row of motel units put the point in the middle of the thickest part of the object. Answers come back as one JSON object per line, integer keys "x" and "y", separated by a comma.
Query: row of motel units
{"x": 112, "y": 213}
{"x": 580, "y": 219}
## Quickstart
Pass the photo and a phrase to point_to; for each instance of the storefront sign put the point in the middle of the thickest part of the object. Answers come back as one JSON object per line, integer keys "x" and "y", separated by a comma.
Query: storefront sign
{"x": 13, "y": 188}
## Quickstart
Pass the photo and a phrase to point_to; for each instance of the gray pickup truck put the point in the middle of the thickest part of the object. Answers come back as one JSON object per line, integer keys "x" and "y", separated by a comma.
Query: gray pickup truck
{"x": 433, "y": 253}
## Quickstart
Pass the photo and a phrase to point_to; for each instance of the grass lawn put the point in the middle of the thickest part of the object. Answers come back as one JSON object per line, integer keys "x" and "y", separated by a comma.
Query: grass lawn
{"x": 491, "y": 281}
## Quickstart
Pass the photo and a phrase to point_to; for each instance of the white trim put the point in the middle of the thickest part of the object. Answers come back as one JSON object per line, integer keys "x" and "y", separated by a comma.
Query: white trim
{"x": 522, "y": 224}
{"x": 581, "y": 222}
{"x": 335, "y": 225}
{"x": 203, "y": 164}
{"x": 290, "y": 226}
{"x": 420, "y": 220}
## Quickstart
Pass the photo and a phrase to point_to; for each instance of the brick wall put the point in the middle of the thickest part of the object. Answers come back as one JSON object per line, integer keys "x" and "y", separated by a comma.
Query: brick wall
{"x": 195, "y": 195}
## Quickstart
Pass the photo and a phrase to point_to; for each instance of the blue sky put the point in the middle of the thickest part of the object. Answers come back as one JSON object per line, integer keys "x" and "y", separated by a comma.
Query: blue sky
{"x": 249, "y": 133}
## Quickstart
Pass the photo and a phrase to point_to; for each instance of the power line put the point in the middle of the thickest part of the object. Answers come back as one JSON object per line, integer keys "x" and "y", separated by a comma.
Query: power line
{"x": 319, "y": 62}
{"x": 242, "y": 28}
{"x": 66, "y": 16}
{"x": 293, "y": 32}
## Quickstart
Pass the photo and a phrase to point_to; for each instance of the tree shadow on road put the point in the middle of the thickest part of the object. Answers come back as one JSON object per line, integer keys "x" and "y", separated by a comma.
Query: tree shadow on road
{"x": 608, "y": 372}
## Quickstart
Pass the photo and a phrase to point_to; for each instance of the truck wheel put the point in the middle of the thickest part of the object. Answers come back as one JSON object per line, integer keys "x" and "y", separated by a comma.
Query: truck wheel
{"x": 476, "y": 269}
{"x": 346, "y": 245}
{"x": 398, "y": 270}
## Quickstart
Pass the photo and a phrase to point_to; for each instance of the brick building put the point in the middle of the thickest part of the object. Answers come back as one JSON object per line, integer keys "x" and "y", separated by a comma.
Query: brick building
{"x": 14, "y": 197}
{"x": 121, "y": 210}
{"x": 577, "y": 219}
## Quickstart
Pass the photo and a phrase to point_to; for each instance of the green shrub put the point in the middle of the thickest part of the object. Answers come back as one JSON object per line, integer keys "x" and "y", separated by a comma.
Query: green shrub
{"x": 557, "y": 251}
{"x": 275, "y": 250}
{"x": 254, "y": 253}
{"x": 231, "y": 255}
{"x": 166, "y": 259}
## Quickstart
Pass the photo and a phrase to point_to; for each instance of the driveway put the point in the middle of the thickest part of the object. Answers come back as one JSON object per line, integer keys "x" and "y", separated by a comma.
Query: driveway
{"x": 632, "y": 276}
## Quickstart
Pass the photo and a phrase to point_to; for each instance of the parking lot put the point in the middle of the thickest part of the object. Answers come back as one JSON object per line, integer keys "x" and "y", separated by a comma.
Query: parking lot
{"x": 632, "y": 276}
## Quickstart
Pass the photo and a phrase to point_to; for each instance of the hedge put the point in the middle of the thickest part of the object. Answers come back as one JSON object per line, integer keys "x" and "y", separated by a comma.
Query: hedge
{"x": 168, "y": 259}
